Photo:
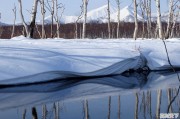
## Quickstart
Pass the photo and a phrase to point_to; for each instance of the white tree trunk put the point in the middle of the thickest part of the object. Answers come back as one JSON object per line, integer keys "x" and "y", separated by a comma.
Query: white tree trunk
{"x": 76, "y": 23}
{"x": 52, "y": 18}
{"x": 118, "y": 18}
{"x": 169, "y": 19}
{"x": 109, "y": 26}
{"x": 174, "y": 23}
{"x": 85, "y": 18}
{"x": 57, "y": 19}
{"x": 159, "y": 19}
{"x": 43, "y": 17}
{"x": 22, "y": 18}
{"x": 149, "y": 16}
{"x": 14, "y": 11}
{"x": 143, "y": 9}
{"x": 136, "y": 21}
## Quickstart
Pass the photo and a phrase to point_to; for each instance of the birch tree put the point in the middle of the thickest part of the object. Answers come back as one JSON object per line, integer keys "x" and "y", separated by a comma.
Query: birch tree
{"x": 118, "y": 17}
{"x": 43, "y": 17}
{"x": 85, "y": 3}
{"x": 14, "y": 11}
{"x": 170, "y": 16}
{"x": 142, "y": 6}
{"x": 76, "y": 23}
{"x": 136, "y": 21}
{"x": 57, "y": 17}
{"x": 174, "y": 22}
{"x": 159, "y": 24}
{"x": 22, "y": 18}
{"x": 148, "y": 14}
{"x": 109, "y": 26}
{"x": 51, "y": 9}
{"x": 33, "y": 19}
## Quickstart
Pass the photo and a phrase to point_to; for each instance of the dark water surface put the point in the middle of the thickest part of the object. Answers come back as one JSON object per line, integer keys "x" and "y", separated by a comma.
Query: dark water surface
{"x": 127, "y": 96}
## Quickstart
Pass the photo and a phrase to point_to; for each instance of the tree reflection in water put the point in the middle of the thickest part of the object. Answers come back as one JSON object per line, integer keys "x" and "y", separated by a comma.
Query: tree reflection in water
{"x": 127, "y": 97}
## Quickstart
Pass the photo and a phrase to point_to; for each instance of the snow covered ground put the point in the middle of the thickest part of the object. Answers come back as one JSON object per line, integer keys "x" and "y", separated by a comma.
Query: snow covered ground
{"x": 25, "y": 60}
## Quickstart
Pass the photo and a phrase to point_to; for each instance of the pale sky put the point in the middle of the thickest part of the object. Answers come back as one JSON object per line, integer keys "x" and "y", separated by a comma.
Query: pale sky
{"x": 72, "y": 7}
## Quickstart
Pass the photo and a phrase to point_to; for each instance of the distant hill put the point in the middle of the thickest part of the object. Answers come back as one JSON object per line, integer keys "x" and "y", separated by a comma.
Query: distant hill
{"x": 100, "y": 15}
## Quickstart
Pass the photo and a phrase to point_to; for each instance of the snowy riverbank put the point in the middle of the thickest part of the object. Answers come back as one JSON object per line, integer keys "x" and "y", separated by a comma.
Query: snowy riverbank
{"x": 22, "y": 57}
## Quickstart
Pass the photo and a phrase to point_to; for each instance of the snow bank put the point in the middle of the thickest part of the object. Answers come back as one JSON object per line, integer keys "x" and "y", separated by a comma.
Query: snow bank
{"x": 23, "y": 60}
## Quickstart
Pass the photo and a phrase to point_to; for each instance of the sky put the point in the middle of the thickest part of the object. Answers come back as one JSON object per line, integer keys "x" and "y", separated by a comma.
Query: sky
{"x": 72, "y": 7}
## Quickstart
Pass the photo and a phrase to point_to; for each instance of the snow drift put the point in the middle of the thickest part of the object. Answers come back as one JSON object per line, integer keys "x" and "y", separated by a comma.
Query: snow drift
{"x": 28, "y": 60}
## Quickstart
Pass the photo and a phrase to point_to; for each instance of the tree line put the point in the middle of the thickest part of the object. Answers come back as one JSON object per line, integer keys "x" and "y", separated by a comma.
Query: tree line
{"x": 142, "y": 29}
{"x": 94, "y": 30}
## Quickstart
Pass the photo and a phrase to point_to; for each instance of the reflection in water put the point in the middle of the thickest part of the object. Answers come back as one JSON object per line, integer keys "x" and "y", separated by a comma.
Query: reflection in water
{"x": 169, "y": 100}
{"x": 136, "y": 106}
{"x": 127, "y": 96}
{"x": 24, "y": 114}
{"x": 44, "y": 112}
{"x": 34, "y": 113}
{"x": 119, "y": 107}
{"x": 159, "y": 94}
{"x": 109, "y": 108}
{"x": 86, "y": 109}
{"x": 173, "y": 100}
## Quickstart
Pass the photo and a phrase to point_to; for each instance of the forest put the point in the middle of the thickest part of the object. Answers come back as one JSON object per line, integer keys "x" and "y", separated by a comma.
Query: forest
{"x": 94, "y": 30}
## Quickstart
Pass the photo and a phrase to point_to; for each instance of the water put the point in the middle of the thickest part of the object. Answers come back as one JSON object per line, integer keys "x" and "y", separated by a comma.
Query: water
{"x": 127, "y": 96}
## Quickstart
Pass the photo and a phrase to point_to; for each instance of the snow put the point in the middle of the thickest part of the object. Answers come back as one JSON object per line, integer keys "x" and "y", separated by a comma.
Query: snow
{"x": 100, "y": 15}
{"x": 127, "y": 15}
{"x": 26, "y": 60}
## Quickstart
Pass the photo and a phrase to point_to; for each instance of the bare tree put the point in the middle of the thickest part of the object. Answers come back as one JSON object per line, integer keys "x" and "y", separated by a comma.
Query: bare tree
{"x": 170, "y": 16}
{"x": 150, "y": 25}
{"x": 76, "y": 23}
{"x": 85, "y": 3}
{"x": 148, "y": 14}
{"x": 22, "y": 18}
{"x": 109, "y": 26}
{"x": 136, "y": 21}
{"x": 38, "y": 31}
{"x": 142, "y": 6}
{"x": 14, "y": 11}
{"x": 174, "y": 22}
{"x": 51, "y": 10}
{"x": 57, "y": 17}
{"x": 43, "y": 17}
{"x": 159, "y": 24}
{"x": 118, "y": 17}
{"x": 1, "y": 31}
{"x": 33, "y": 18}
